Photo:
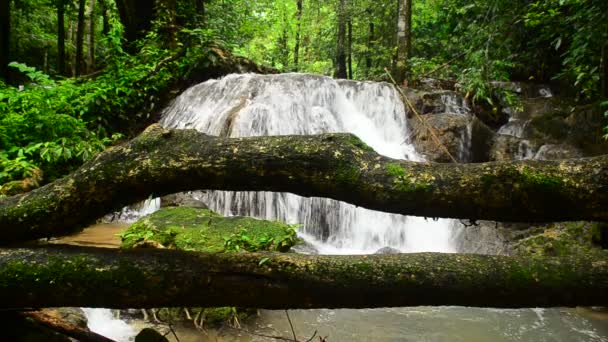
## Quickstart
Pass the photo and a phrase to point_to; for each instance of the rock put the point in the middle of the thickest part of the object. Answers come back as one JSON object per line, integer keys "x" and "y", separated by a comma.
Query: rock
{"x": 203, "y": 230}
{"x": 465, "y": 137}
{"x": 206, "y": 231}
{"x": 561, "y": 151}
{"x": 388, "y": 250}
{"x": 506, "y": 147}
{"x": 182, "y": 199}
{"x": 150, "y": 335}
{"x": 561, "y": 239}
{"x": 73, "y": 316}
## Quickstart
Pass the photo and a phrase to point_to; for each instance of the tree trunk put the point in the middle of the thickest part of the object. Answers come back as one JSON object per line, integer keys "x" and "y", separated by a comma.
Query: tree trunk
{"x": 64, "y": 328}
{"x": 296, "y": 49}
{"x": 604, "y": 69}
{"x": 79, "y": 62}
{"x": 338, "y": 166}
{"x": 283, "y": 43}
{"x": 91, "y": 48}
{"x": 341, "y": 47}
{"x": 370, "y": 42}
{"x": 201, "y": 12}
{"x": 404, "y": 39}
{"x": 5, "y": 35}
{"x": 106, "y": 20}
{"x": 68, "y": 276}
{"x": 350, "y": 48}
{"x": 61, "y": 37}
{"x": 136, "y": 16}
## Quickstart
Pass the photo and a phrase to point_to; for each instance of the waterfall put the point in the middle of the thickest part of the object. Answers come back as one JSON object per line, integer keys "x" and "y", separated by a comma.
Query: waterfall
{"x": 258, "y": 105}
{"x": 102, "y": 321}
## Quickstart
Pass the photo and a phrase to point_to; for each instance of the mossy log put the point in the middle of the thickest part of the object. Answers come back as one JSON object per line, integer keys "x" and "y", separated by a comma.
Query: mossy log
{"x": 145, "y": 278}
{"x": 338, "y": 166}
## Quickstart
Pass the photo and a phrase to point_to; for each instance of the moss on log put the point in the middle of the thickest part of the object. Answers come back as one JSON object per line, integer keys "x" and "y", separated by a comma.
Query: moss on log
{"x": 338, "y": 166}
{"x": 96, "y": 277}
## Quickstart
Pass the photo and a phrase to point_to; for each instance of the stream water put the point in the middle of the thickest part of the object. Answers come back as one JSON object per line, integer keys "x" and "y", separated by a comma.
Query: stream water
{"x": 254, "y": 105}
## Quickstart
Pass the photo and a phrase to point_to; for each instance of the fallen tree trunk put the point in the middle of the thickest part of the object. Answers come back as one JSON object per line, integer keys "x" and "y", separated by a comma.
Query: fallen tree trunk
{"x": 338, "y": 166}
{"x": 95, "y": 277}
{"x": 64, "y": 328}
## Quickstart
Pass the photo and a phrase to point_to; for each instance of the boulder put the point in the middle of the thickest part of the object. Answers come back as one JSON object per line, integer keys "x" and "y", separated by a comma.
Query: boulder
{"x": 465, "y": 137}
{"x": 507, "y": 147}
{"x": 150, "y": 335}
{"x": 388, "y": 250}
{"x": 202, "y": 230}
{"x": 557, "y": 151}
{"x": 182, "y": 199}
{"x": 206, "y": 231}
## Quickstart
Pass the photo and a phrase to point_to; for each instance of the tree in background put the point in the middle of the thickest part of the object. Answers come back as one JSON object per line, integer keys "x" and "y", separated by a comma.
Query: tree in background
{"x": 404, "y": 39}
{"x": 5, "y": 35}
{"x": 341, "y": 46}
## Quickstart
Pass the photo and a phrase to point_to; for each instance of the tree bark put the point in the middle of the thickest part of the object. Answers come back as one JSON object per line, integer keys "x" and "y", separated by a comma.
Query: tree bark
{"x": 145, "y": 278}
{"x": 79, "y": 62}
{"x": 338, "y": 166}
{"x": 80, "y": 334}
{"x": 61, "y": 37}
{"x": 341, "y": 46}
{"x": 404, "y": 39}
{"x": 5, "y": 35}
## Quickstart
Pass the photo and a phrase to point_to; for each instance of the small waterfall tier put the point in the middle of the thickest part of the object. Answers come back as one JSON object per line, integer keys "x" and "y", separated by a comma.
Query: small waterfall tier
{"x": 286, "y": 104}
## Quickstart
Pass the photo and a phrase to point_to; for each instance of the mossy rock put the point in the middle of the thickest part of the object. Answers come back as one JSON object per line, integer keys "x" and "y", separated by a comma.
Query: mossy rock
{"x": 563, "y": 239}
{"x": 203, "y": 230}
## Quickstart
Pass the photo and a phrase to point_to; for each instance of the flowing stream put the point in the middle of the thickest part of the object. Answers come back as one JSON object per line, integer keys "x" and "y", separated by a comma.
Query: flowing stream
{"x": 255, "y": 105}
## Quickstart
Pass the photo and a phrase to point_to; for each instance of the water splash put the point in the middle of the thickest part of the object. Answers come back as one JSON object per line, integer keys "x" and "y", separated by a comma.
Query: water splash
{"x": 132, "y": 213}
{"x": 102, "y": 321}
{"x": 256, "y": 105}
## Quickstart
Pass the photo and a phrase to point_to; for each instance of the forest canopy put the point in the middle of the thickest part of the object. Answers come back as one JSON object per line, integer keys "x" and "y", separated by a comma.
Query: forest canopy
{"x": 68, "y": 67}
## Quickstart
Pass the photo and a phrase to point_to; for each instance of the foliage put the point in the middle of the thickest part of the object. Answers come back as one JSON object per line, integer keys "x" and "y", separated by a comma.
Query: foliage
{"x": 243, "y": 241}
{"x": 35, "y": 134}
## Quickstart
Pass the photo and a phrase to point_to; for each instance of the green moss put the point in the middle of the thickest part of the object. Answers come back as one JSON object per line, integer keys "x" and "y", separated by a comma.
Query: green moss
{"x": 348, "y": 175}
{"x": 355, "y": 141}
{"x": 540, "y": 180}
{"x": 562, "y": 239}
{"x": 408, "y": 182}
{"x": 206, "y": 231}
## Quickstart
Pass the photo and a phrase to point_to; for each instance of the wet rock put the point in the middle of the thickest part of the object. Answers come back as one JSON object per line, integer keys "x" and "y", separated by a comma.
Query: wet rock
{"x": 73, "y": 316}
{"x": 487, "y": 237}
{"x": 305, "y": 248}
{"x": 182, "y": 199}
{"x": 388, "y": 250}
{"x": 465, "y": 137}
{"x": 506, "y": 147}
{"x": 150, "y": 335}
{"x": 561, "y": 239}
{"x": 554, "y": 152}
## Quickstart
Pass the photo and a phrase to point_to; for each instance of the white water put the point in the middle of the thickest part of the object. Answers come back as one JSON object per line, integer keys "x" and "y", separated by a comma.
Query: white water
{"x": 256, "y": 105}
{"x": 132, "y": 213}
{"x": 102, "y": 321}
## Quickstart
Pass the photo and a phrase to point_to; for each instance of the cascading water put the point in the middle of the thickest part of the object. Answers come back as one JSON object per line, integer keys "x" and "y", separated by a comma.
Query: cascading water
{"x": 256, "y": 105}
